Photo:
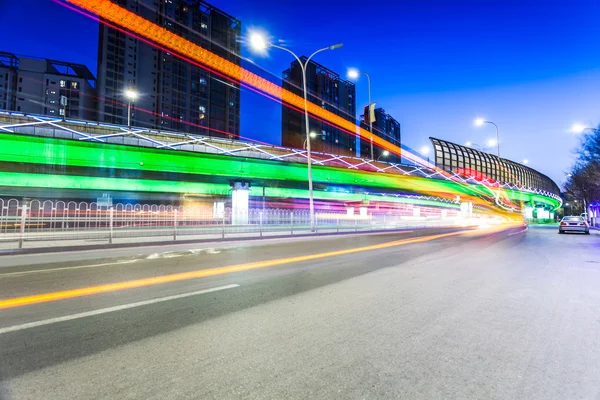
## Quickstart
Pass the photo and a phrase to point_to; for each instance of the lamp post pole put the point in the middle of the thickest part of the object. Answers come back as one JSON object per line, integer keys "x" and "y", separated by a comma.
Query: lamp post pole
{"x": 497, "y": 136}
{"x": 128, "y": 112}
{"x": 303, "y": 67}
{"x": 370, "y": 120}
{"x": 354, "y": 74}
{"x": 131, "y": 95}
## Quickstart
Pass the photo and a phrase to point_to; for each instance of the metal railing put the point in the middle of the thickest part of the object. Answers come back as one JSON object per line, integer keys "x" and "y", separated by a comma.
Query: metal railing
{"x": 58, "y": 220}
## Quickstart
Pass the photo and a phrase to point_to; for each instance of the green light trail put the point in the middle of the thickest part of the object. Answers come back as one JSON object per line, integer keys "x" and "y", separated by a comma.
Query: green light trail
{"x": 72, "y": 153}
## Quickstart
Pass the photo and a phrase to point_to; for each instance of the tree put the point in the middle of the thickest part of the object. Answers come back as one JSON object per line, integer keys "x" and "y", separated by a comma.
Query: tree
{"x": 590, "y": 147}
{"x": 584, "y": 179}
{"x": 584, "y": 182}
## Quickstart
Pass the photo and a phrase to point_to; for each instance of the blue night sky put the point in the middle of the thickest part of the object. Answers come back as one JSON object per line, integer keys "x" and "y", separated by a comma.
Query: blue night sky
{"x": 532, "y": 67}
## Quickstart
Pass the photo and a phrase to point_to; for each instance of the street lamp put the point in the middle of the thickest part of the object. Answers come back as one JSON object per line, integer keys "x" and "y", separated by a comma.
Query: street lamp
{"x": 525, "y": 161}
{"x": 353, "y": 73}
{"x": 131, "y": 95}
{"x": 259, "y": 43}
{"x": 579, "y": 128}
{"x": 480, "y": 122}
{"x": 312, "y": 135}
{"x": 384, "y": 154}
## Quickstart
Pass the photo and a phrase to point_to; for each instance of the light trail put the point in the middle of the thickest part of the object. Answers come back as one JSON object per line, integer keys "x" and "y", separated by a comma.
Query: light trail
{"x": 111, "y": 12}
{"x": 137, "y": 283}
{"x": 155, "y": 35}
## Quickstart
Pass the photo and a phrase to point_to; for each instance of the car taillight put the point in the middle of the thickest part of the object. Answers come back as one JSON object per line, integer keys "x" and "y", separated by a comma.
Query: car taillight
{"x": 583, "y": 224}
{"x": 563, "y": 223}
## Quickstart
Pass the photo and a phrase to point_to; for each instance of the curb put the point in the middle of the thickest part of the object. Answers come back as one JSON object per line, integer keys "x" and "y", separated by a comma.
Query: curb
{"x": 41, "y": 250}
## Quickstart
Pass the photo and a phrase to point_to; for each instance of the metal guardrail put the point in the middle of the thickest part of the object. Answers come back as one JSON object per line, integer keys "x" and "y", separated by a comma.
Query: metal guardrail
{"x": 52, "y": 220}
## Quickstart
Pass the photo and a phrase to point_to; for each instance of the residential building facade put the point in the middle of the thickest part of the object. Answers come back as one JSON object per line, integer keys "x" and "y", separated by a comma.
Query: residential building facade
{"x": 173, "y": 94}
{"x": 48, "y": 87}
{"x": 327, "y": 89}
{"x": 387, "y": 128}
{"x": 9, "y": 65}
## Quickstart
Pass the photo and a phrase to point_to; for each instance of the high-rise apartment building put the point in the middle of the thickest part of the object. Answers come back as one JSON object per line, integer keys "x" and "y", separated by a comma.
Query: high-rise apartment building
{"x": 47, "y": 87}
{"x": 173, "y": 93}
{"x": 327, "y": 89}
{"x": 9, "y": 64}
{"x": 387, "y": 128}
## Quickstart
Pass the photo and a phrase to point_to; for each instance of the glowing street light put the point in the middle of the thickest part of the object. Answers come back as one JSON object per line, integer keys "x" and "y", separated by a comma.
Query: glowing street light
{"x": 424, "y": 150}
{"x": 353, "y": 73}
{"x": 491, "y": 143}
{"x": 384, "y": 154}
{"x": 480, "y": 122}
{"x": 131, "y": 95}
{"x": 312, "y": 135}
{"x": 525, "y": 161}
{"x": 580, "y": 128}
{"x": 259, "y": 43}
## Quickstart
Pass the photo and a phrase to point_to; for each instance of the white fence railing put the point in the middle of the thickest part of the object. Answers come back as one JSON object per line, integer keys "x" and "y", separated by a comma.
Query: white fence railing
{"x": 57, "y": 220}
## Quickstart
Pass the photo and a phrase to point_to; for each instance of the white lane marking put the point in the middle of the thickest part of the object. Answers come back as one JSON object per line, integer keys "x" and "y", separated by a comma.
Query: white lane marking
{"x": 65, "y": 268}
{"x": 111, "y": 309}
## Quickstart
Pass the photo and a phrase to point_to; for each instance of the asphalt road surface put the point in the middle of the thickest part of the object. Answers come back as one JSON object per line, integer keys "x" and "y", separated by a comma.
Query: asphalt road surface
{"x": 435, "y": 314}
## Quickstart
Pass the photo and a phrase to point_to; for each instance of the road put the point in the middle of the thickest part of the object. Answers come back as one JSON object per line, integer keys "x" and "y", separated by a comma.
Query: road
{"x": 434, "y": 314}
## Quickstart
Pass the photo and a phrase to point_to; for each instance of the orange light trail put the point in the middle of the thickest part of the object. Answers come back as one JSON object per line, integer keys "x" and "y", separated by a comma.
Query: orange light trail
{"x": 112, "y": 287}
{"x": 111, "y": 12}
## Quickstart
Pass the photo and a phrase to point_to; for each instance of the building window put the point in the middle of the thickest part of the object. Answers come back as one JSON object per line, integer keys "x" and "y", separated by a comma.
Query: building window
{"x": 63, "y": 83}
{"x": 74, "y": 85}
{"x": 53, "y": 92}
{"x": 61, "y": 112}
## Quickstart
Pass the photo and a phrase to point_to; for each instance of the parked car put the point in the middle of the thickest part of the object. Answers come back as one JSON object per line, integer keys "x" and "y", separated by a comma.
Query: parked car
{"x": 574, "y": 224}
{"x": 585, "y": 217}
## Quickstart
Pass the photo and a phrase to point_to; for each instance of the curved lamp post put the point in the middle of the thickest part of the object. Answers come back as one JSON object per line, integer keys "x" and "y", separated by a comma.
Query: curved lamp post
{"x": 259, "y": 43}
